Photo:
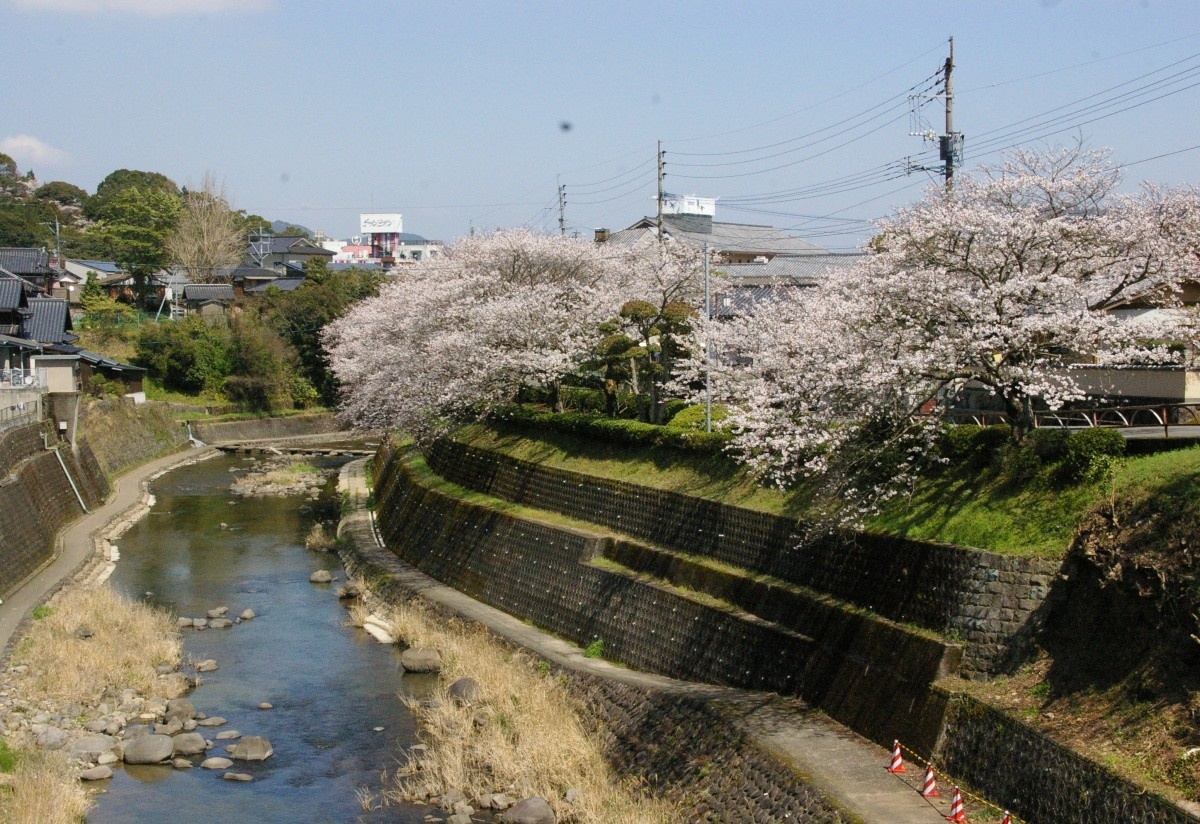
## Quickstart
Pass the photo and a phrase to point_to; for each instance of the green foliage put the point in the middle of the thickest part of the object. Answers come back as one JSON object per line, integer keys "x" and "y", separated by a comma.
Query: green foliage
{"x": 134, "y": 228}
{"x": 97, "y": 206}
{"x": 1092, "y": 455}
{"x": 672, "y": 408}
{"x": 41, "y": 612}
{"x": 692, "y": 417}
{"x": 23, "y": 224}
{"x": 301, "y": 315}
{"x": 187, "y": 355}
{"x": 8, "y": 756}
{"x": 62, "y": 193}
{"x": 977, "y": 445}
{"x": 594, "y": 649}
{"x": 92, "y": 293}
{"x": 614, "y": 430}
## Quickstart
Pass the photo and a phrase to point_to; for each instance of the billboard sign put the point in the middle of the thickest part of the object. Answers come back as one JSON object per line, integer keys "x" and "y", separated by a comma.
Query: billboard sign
{"x": 380, "y": 223}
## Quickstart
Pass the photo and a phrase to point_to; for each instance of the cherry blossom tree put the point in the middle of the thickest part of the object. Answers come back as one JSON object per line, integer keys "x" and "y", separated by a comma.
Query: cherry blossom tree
{"x": 457, "y": 335}
{"x": 997, "y": 284}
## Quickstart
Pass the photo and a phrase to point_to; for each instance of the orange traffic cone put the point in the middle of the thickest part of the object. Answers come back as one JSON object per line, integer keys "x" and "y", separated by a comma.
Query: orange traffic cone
{"x": 897, "y": 765}
{"x": 956, "y": 809}
{"x": 930, "y": 789}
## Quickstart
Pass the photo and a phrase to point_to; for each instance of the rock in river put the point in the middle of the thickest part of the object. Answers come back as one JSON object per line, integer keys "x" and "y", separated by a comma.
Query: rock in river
{"x": 189, "y": 743}
{"x": 321, "y": 576}
{"x": 149, "y": 749}
{"x": 529, "y": 811}
{"x": 253, "y": 748}
{"x": 421, "y": 659}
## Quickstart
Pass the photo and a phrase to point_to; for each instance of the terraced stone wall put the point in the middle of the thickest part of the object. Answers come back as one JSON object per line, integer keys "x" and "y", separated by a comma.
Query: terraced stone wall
{"x": 992, "y": 602}
{"x": 869, "y": 674}
{"x": 1039, "y": 780}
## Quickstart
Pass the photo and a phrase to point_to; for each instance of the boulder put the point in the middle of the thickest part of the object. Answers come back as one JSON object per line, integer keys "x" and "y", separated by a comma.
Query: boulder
{"x": 421, "y": 659}
{"x": 211, "y": 721}
{"x": 189, "y": 743}
{"x": 452, "y": 797}
{"x": 91, "y": 747}
{"x": 220, "y": 623}
{"x": 247, "y": 615}
{"x": 253, "y": 748}
{"x": 181, "y": 764}
{"x": 464, "y": 692}
{"x": 533, "y": 810}
{"x": 228, "y": 735}
{"x": 207, "y": 665}
{"x": 134, "y": 730}
{"x": 50, "y": 738}
{"x": 266, "y": 705}
{"x": 149, "y": 749}
{"x": 321, "y": 576}
{"x": 96, "y": 774}
{"x": 216, "y": 763}
{"x": 219, "y": 612}
{"x": 232, "y": 776}
{"x": 180, "y": 708}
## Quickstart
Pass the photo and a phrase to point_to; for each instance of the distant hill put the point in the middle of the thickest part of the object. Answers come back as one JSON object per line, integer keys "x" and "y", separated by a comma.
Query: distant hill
{"x": 278, "y": 227}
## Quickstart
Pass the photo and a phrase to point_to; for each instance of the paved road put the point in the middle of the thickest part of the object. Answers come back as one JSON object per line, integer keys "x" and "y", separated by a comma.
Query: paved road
{"x": 847, "y": 767}
{"x": 75, "y": 543}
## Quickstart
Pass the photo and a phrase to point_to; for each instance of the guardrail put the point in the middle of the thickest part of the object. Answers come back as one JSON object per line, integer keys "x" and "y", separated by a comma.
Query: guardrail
{"x": 1112, "y": 417}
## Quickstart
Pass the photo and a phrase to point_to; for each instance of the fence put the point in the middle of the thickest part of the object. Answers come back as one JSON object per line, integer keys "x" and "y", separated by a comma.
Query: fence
{"x": 1122, "y": 417}
{"x": 19, "y": 407}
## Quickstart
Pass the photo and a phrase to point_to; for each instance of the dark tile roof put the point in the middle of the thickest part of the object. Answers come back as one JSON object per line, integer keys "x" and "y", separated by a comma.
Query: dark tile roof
{"x": 95, "y": 359}
{"x": 244, "y": 272}
{"x": 208, "y": 291}
{"x": 282, "y": 284}
{"x": 287, "y": 244}
{"x": 696, "y": 230}
{"x": 802, "y": 270}
{"x": 12, "y": 293}
{"x": 48, "y": 320}
{"x": 25, "y": 261}
{"x": 20, "y": 343}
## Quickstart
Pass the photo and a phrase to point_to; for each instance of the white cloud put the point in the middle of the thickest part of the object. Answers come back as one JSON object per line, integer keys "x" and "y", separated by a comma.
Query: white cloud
{"x": 29, "y": 151}
{"x": 147, "y": 8}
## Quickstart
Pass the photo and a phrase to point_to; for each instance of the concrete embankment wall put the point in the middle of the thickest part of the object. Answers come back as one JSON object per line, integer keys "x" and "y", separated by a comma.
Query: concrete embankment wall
{"x": 677, "y": 745}
{"x": 256, "y": 429}
{"x": 992, "y": 602}
{"x": 36, "y": 495}
{"x": 868, "y": 673}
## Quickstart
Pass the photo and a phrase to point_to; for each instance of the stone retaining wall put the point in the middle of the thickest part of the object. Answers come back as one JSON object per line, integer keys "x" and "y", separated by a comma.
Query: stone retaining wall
{"x": 256, "y": 429}
{"x": 867, "y": 673}
{"x": 992, "y": 602}
{"x": 680, "y": 746}
{"x": 1037, "y": 779}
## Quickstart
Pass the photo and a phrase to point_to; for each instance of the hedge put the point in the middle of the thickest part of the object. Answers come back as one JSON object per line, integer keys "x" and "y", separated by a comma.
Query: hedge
{"x": 612, "y": 430}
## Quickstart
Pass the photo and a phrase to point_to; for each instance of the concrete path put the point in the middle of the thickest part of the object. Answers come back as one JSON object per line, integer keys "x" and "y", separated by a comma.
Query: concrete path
{"x": 75, "y": 543}
{"x": 847, "y": 767}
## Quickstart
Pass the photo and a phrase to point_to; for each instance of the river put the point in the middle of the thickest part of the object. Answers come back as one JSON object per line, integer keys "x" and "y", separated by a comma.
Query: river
{"x": 337, "y": 719}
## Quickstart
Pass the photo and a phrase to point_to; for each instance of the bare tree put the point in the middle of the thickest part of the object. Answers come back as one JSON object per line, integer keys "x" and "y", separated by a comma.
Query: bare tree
{"x": 209, "y": 236}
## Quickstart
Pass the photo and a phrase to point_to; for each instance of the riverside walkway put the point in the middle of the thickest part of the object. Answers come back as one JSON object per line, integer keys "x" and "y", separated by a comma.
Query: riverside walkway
{"x": 847, "y": 768}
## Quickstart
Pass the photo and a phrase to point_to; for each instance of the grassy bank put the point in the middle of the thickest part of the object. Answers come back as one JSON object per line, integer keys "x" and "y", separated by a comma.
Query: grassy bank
{"x": 984, "y": 505}
{"x": 520, "y": 736}
{"x": 89, "y": 645}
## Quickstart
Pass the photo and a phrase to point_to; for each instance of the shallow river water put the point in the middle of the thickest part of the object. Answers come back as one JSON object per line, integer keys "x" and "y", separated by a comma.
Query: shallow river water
{"x": 331, "y": 685}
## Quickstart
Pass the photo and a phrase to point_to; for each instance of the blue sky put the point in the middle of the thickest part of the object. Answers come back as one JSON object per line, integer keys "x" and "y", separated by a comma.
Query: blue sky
{"x": 453, "y": 113}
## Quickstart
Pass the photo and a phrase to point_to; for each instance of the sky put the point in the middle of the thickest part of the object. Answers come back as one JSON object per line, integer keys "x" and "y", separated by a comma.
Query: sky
{"x": 469, "y": 115}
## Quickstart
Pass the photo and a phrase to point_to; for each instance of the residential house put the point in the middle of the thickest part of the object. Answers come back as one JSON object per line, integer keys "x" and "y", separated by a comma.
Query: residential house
{"x": 16, "y": 351}
{"x": 29, "y": 264}
{"x": 208, "y": 299}
{"x": 273, "y": 253}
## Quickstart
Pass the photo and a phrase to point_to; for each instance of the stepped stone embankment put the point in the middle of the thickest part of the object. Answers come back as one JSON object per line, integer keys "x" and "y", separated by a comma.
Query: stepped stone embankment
{"x": 994, "y": 603}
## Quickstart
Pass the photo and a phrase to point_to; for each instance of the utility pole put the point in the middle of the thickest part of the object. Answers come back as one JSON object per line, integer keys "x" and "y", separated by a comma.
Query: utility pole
{"x": 57, "y": 254}
{"x": 661, "y": 174}
{"x": 951, "y": 143}
{"x": 562, "y": 210}
{"x": 707, "y": 345}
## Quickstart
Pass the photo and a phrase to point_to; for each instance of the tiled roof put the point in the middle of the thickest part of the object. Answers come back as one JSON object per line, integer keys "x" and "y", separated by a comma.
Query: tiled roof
{"x": 727, "y": 237}
{"x": 48, "y": 321}
{"x": 208, "y": 291}
{"x": 803, "y": 270}
{"x": 20, "y": 343}
{"x": 282, "y": 284}
{"x": 288, "y": 244}
{"x": 12, "y": 293}
{"x": 96, "y": 359}
{"x": 25, "y": 261}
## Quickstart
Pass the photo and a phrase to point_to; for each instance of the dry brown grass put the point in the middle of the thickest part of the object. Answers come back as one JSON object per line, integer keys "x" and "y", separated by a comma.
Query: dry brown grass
{"x": 523, "y": 737}
{"x": 128, "y": 641}
{"x": 319, "y": 539}
{"x": 44, "y": 790}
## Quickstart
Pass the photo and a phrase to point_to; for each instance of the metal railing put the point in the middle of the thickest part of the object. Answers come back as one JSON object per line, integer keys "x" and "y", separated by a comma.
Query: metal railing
{"x": 1113, "y": 417}
{"x": 19, "y": 407}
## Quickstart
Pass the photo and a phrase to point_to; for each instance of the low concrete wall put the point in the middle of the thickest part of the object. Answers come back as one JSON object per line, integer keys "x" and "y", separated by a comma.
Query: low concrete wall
{"x": 990, "y": 601}
{"x": 867, "y": 673}
{"x": 256, "y": 429}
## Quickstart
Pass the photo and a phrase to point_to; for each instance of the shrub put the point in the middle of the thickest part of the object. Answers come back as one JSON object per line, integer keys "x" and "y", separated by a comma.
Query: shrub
{"x": 612, "y": 430}
{"x": 968, "y": 443}
{"x": 1092, "y": 455}
{"x": 672, "y": 408}
{"x": 692, "y": 417}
